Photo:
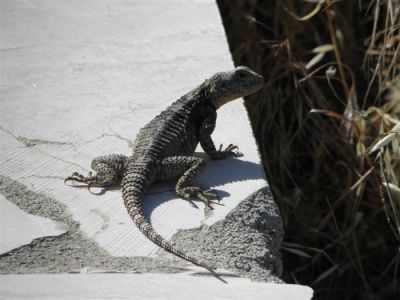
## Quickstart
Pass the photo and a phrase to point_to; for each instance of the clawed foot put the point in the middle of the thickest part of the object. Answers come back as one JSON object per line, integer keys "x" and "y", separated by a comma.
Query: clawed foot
{"x": 89, "y": 180}
{"x": 208, "y": 197}
{"x": 231, "y": 150}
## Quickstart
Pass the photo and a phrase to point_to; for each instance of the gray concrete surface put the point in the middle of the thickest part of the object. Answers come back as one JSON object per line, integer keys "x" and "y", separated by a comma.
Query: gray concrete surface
{"x": 248, "y": 240}
{"x": 145, "y": 286}
{"x": 78, "y": 80}
{"x": 72, "y": 252}
{"x": 30, "y": 228}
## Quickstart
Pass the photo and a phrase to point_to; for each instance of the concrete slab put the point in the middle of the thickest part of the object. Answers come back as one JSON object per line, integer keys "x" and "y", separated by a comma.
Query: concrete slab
{"x": 144, "y": 286}
{"x": 247, "y": 241}
{"x": 17, "y": 228}
{"x": 79, "y": 79}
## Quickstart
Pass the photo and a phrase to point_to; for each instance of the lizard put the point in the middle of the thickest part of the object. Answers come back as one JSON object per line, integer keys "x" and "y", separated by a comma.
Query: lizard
{"x": 164, "y": 148}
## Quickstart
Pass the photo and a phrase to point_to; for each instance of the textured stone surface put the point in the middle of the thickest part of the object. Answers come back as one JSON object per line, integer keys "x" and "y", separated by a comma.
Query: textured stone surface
{"x": 247, "y": 241}
{"x": 79, "y": 79}
{"x": 18, "y": 228}
{"x": 70, "y": 252}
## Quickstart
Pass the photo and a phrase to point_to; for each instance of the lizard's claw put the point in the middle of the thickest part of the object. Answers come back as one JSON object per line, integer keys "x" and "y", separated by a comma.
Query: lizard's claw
{"x": 78, "y": 177}
{"x": 97, "y": 180}
{"x": 230, "y": 150}
{"x": 89, "y": 180}
{"x": 208, "y": 197}
{"x": 94, "y": 184}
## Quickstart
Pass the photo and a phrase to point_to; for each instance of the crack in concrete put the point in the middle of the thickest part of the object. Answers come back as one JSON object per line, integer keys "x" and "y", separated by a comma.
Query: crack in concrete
{"x": 28, "y": 142}
{"x": 42, "y": 177}
{"x": 31, "y": 143}
{"x": 42, "y": 45}
{"x": 34, "y": 142}
{"x": 21, "y": 48}
{"x": 130, "y": 143}
{"x": 63, "y": 160}
{"x": 114, "y": 134}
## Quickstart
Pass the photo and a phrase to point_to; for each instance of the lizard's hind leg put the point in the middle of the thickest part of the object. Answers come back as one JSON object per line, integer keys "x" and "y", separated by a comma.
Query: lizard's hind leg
{"x": 186, "y": 169}
{"x": 109, "y": 170}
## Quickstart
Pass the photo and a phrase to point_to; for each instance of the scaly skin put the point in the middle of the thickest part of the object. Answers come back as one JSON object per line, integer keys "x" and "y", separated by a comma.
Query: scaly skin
{"x": 164, "y": 149}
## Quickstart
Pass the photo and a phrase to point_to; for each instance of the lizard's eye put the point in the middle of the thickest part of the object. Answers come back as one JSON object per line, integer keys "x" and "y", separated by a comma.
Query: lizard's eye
{"x": 241, "y": 74}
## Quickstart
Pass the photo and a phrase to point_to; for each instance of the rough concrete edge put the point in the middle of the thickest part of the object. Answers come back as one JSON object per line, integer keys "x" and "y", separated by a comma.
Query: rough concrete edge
{"x": 247, "y": 241}
{"x": 37, "y": 226}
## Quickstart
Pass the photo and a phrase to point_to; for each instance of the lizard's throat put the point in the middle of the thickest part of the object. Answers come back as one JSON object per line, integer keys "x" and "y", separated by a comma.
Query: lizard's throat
{"x": 223, "y": 100}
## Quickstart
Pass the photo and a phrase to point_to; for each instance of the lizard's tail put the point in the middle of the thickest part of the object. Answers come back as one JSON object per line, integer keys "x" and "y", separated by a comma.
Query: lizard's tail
{"x": 137, "y": 178}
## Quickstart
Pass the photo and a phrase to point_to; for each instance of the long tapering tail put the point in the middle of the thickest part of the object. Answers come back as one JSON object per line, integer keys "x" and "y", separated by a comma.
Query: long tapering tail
{"x": 138, "y": 177}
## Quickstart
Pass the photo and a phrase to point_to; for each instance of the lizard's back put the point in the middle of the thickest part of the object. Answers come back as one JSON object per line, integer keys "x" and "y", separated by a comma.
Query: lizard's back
{"x": 171, "y": 133}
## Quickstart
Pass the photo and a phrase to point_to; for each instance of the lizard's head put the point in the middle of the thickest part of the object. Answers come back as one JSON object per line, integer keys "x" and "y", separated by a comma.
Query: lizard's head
{"x": 228, "y": 86}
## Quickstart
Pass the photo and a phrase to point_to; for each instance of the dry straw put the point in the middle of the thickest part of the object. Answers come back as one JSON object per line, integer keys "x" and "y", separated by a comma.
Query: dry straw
{"x": 328, "y": 129}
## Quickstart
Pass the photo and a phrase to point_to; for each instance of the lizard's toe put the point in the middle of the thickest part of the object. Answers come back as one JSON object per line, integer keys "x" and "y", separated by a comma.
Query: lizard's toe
{"x": 210, "y": 194}
{"x": 233, "y": 150}
{"x": 230, "y": 150}
{"x": 95, "y": 183}
{"x": 74, "y": 177}
{"x": 80, "y": 176}
{"x": 209, "y": 198}
{"x": 77, "y": 177}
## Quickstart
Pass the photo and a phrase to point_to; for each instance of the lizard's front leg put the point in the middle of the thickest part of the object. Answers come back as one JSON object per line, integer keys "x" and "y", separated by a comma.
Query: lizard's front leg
{"x": 207, "y": 143}
{"x": 109, "y": 170}
{"x": 186, "y": 168}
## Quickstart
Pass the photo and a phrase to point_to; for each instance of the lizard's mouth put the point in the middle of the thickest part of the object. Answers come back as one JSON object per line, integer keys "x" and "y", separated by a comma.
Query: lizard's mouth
{"x": 228, "y": 98}
{"x": 258, "y": 85}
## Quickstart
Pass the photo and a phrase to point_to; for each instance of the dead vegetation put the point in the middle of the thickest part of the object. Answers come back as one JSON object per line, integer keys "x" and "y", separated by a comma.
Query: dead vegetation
{"x": 328, "y": 129}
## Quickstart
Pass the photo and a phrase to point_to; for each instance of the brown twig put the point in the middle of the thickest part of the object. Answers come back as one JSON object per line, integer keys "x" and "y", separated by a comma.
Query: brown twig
{"x": 330, "y": 14}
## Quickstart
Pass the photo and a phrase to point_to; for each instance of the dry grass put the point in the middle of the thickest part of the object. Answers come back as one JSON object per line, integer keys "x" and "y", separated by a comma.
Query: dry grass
{"x": 328, "y": 128}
